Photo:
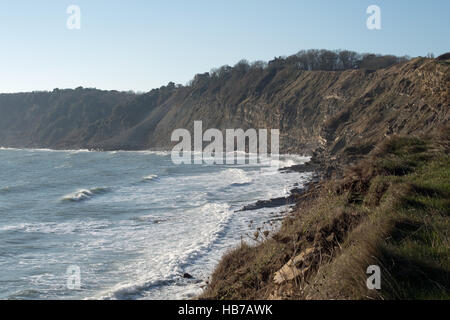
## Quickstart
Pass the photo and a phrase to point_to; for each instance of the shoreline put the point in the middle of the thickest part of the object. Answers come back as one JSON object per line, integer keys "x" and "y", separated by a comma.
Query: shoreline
{"x": 294, "y": 194}
{"x": 289, "y": 202}
{"x": 269, "y": 179}
{"x": 363, "y": 215}
{"x": 287, "y": 205}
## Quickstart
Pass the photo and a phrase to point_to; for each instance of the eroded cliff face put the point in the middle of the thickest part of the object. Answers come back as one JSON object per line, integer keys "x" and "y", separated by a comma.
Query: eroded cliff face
{"x": 404, "y": 99}
{"x": 334, "y": 112}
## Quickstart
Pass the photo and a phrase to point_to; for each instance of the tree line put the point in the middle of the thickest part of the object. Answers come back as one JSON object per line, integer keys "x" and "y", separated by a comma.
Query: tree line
{"x": 308, "y": 60}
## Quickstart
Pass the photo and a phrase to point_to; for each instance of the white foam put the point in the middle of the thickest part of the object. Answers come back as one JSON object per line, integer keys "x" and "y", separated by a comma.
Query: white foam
{"x": 10, "y": 149}
{"x": 78, "y": 151}
{"x": 158, "y": 153}
{"x": 72, "y": 227}
{"x": 136, "y": 242}
{"x": 150, "y": 177}
{"x": 170, "y": 263}
{"x": 234, "y": 175}
{"x": 84, "y": 194}
{"x": 5, "y": 189}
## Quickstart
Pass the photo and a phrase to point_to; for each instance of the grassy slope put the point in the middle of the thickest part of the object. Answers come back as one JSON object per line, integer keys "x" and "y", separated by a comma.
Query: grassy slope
{"x": 390, "y": 209}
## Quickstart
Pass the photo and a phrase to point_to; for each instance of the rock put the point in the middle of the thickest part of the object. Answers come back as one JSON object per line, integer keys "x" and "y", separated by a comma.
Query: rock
{"x": 290, "y": 270}
{"x": 187, "y": 276}
{"x": 305, "y": 167}
{"x": 273, "y": 203}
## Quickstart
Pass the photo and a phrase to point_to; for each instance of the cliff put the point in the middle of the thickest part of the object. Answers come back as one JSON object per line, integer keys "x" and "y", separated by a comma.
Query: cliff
{"x": 332, "y": 111}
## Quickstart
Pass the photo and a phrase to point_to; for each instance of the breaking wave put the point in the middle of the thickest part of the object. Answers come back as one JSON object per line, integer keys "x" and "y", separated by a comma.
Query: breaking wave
{"x": 216, "y": 217}
{"x": 84, "y": 194}
{"x": 150, "y": 177}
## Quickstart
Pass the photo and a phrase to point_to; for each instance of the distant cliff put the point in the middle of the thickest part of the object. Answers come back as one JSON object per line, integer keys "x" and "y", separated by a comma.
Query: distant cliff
{"x": 344, "y": 111}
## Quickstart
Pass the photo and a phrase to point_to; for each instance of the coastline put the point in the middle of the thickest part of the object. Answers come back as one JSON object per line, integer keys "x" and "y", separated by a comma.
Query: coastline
{"x": 263, "y": 217}
{"x": 368, "y": 212}
{"x": 289, "y": 203}
{"x": 340, "y": 211}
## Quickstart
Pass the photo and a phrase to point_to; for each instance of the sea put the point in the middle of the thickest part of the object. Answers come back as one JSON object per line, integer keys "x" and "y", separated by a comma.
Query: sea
{"x": 127, "y": 224}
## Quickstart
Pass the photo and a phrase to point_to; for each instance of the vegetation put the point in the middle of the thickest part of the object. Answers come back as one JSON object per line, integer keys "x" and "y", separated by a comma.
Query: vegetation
{"x": 391, "y": 209}
{"x": 308, "y": 60}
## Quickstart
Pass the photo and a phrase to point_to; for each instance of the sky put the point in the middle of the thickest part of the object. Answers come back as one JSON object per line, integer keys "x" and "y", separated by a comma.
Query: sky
{"x": 143, "y": 44}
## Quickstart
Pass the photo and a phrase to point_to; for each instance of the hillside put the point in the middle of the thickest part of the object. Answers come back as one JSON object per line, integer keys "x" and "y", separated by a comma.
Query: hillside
{"x": 391, "y": 209}
{"x": 314, "y": 110}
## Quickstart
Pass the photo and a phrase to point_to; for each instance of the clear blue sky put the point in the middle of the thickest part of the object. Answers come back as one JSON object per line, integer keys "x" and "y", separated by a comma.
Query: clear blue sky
{"x": 143, "y": 44}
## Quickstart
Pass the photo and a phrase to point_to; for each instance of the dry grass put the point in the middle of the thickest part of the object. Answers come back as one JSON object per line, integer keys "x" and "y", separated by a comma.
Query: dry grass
{"x": 391, "y": 209}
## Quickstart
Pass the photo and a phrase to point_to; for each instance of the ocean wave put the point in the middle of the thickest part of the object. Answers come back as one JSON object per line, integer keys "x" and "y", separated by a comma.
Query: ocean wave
{"x": 235, "y": 176}
{"x": 5, "y": 189}
{"x": 134, "y": 291}
{"x": 142, "y": 152}
{"x": 175, "y": 264}
{"x": 77, "y": 151}
{"x": 10, "y": 149}
{"x": 25, "y": 294}
{"x": 14, "y": 188}
{"x": 289, "y": 160}
{"x": 150, "y": 177}
{"x": 283, "y": 161}
{"x": 56, "y": 227}
{"x": 185, "y": 230}
{"x": 84, "y": 194}
{"x": 63, "y": 166}
{"x": 243, "y": 184}
{"x": 158, "y": 153}
{"x": 150, "y": 219}
{"x": 47, "y": 150}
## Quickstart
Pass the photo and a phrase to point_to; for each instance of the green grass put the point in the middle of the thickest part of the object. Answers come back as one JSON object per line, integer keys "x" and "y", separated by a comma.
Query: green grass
{"x": 419, "y": 241}
{"x": 391, "y": 209}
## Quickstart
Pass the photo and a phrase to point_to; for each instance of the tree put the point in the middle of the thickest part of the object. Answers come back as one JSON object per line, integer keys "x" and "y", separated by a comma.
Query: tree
{"x": 258, "y": 65}
{"x": 242, "y": 66}
{"x": 348, "y": 59}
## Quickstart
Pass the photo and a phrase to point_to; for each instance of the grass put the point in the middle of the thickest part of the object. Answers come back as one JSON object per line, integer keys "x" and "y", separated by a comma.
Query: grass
{"x": 390, "y": 209}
